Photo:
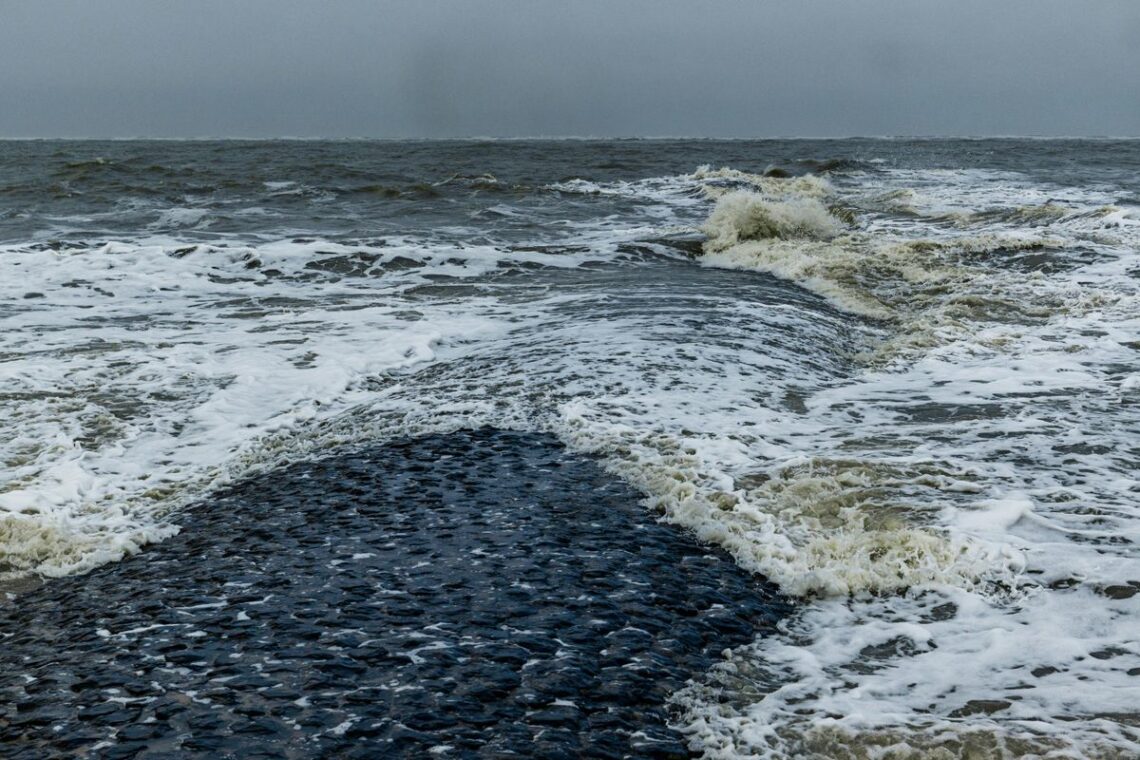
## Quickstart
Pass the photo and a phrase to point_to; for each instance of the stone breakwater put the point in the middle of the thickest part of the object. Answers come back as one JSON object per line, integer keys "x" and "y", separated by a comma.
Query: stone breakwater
{"x": 477, "y": 594}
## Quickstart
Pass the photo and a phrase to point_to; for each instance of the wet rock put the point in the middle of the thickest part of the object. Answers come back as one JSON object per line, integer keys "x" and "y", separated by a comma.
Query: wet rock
{"x": 980, "y": 707}
{"x": 139, "y": 732}
{"x": 108, "y": 714}
{"x": 123, "y": 751}
{"x": 483, "y": 590}
{"x": 559, "y": 715}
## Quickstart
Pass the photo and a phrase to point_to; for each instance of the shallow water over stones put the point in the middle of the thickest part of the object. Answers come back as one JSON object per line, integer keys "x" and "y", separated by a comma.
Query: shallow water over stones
{"x": 478, "y": 594}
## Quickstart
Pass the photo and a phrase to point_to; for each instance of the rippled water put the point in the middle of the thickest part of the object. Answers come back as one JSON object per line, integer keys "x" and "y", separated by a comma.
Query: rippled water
{"x": 899, "y": 379}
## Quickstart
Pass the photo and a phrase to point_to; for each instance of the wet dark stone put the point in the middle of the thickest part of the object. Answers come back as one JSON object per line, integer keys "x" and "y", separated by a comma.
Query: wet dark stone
{"x": 205, "y": 722}
{"x": 980, "y": 707}
{"x": 28, "y": 753}
{"x": 205, "y": 744}
{"x": 557, "y": 745}
{"x": 559, "y": 715}
{"x": 123, "y": 751}
{"x": 71, "y": 740}
{"x": 140, "y": 732}
{"x": 108, "y": 714}
{"x": 1120, "y": 591}
{"x": 484, "y": 590}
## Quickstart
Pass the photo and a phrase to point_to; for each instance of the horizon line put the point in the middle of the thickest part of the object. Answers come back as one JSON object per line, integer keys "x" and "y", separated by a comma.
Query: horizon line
{"x": 553, "y": 138}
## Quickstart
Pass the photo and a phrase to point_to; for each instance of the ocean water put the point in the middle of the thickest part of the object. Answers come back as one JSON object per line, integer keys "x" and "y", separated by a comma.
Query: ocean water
{"x": 900, "y": 380}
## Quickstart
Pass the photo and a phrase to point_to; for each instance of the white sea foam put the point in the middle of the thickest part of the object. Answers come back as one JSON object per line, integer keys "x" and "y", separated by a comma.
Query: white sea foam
{"x": 1027, "y": 424}
{"x": 717, "y": 182}
{"x": 182, "y": 217}
{"x": 950, "y": 491}
{"x": 133, "y": 385}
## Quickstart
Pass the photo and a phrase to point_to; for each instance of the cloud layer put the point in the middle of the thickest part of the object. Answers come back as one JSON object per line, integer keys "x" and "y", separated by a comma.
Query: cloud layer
{"x": 533, "y": 67}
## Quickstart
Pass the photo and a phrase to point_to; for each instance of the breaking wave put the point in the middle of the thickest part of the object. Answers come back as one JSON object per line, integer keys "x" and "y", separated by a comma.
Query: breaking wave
{"x": 906, "y": 398}
{"x": 978, "y": 368}
{"x": 748, "y": 216}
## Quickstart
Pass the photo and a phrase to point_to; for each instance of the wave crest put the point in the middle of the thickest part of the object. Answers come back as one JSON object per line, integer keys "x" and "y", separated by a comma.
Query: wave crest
{"x": 743, "y": 215}
{"x": 718, "y": 182}
{"x": 814, "y": 531}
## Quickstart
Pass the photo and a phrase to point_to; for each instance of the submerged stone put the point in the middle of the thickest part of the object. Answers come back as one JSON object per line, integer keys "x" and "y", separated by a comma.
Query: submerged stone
{"x": 483, "y": 590}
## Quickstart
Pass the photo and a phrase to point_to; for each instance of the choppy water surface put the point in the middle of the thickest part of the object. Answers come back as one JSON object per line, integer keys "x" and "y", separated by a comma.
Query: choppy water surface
{"x": 473, "y": 594}
{"x": 898, "y": 379}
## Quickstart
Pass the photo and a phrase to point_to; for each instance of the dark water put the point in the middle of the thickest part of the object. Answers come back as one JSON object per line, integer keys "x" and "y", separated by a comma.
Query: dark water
{"x": 895, "y": 378}
{"x": 357, "y": 190}
{"x": 482, "y": 591}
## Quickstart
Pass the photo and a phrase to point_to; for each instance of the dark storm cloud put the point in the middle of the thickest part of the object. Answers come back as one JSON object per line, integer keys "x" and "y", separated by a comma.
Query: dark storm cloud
{"x": 530, "y": 67}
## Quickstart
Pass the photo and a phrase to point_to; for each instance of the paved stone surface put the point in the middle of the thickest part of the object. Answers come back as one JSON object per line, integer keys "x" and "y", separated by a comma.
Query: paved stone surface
{"x": 479, "y": 594}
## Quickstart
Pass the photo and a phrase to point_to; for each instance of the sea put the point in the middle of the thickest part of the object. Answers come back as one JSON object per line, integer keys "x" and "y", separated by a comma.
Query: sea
{"x": 895, "y": 380}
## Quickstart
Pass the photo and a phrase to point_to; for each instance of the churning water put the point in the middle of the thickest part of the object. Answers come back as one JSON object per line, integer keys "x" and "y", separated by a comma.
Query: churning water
{"x": 898, "y": 379}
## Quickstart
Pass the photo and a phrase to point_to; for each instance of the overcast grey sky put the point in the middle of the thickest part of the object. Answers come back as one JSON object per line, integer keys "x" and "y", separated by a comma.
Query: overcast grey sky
{"x": 434, "y": 68}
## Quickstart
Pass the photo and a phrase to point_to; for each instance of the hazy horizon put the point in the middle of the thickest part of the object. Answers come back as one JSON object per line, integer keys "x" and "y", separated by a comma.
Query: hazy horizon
{"x": 562, "y": 138}
{"x": 505, "y": 68}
